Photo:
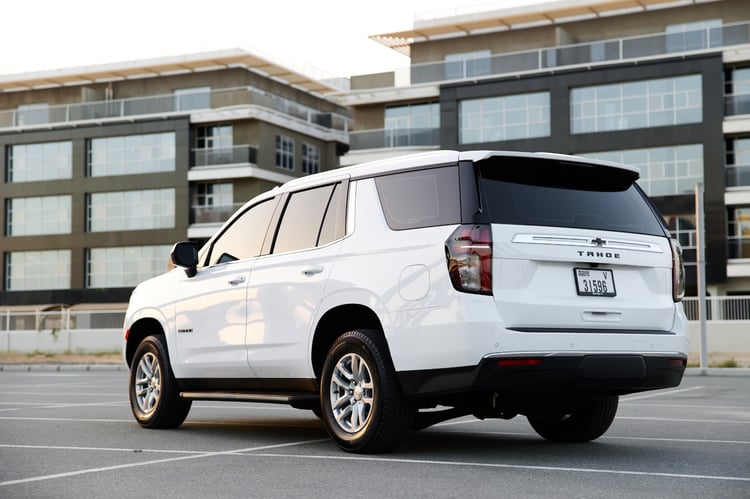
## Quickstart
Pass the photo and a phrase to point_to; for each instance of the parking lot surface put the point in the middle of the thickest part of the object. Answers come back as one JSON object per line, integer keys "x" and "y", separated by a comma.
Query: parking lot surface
{"x": 70, "y": 433}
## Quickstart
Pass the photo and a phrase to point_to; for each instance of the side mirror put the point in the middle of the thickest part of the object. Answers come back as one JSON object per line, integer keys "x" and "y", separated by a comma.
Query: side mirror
{"x": 185, "y": 254}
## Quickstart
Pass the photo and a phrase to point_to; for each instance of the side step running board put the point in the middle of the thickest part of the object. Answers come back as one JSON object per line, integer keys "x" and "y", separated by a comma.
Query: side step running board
{"x": 296, "y": 400}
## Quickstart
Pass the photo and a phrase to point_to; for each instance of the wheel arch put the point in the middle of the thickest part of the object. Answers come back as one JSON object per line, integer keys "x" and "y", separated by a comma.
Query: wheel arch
{"x": 337, "y": 321}
{"x": 139, "y": 330}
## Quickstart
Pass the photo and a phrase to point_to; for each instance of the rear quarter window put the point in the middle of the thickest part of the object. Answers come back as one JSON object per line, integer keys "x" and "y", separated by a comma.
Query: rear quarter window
{"x": 422, "y": 198}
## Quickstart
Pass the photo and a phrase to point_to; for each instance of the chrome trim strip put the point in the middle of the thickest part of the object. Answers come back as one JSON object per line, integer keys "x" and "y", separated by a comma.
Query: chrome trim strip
{"x": 587, "y": 242}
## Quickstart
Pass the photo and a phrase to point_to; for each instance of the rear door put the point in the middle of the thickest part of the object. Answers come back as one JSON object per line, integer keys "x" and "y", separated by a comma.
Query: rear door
{"x": 287, "y": 285}
{"x": 575, "y": 246}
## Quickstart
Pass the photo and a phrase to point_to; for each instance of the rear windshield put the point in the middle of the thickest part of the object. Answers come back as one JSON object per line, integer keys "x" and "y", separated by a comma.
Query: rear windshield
{"x": 529, "y": 191}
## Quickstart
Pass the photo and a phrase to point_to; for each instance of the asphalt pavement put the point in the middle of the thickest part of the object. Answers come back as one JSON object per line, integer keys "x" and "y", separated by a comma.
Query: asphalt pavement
{"x": 67, "y": 432}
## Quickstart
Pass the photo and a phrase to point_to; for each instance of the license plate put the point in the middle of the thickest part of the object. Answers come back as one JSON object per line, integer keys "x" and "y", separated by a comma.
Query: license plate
{"x": 595, "y": 282}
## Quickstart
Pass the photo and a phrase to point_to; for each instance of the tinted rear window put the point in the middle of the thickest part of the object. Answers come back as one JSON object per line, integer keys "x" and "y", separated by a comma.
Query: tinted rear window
{"x": 523, "y": 191}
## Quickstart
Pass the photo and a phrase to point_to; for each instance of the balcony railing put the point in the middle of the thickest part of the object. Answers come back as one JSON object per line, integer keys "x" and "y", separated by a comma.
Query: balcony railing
{"x": 382, "y": 138}
{"x": 739, "y": 247}
{"x": 224, "y": 156}
{"x": 169, "y": 104}
{"x": 212, "y": 214}
{"x": 738, "y": 175}
{"x": 621, "y": 49}
{"x": 736, "y": 104}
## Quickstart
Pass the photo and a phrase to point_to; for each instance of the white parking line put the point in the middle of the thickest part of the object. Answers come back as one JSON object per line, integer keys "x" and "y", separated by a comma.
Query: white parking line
{"x": 683, "y": 420}
{"x": 661, "y": 393}
{"x": 642, "y": 439}
{"x": 511, "y": 466}
{"x": 253, "y": 452}
{"x": 156, "y": 461}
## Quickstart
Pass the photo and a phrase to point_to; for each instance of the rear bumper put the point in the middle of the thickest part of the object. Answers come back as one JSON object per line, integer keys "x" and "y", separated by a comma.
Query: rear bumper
{"x": 599, "y": 373}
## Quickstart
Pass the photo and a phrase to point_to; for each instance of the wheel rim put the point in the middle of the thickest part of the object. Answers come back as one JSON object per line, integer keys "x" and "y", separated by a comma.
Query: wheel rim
{"x": 148, "y": 383}
{"x": 352, "y": 393}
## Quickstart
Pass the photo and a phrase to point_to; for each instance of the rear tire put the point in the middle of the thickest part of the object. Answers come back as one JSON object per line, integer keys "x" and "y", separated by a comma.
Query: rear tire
{"x": 588, "y": 421}
{"x": 362, "y": 405}
{"x": 154, "y": 396}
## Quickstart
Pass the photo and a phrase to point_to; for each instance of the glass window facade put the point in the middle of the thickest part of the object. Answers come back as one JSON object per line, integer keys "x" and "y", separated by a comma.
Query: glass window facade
{"x": 639, "y": 104}
{"x": 35, "y": 162}
{"x": 412, "y": 125}
{"x": 131, "y": 210}
{"x": 39, "y": 215}
{"x": 34, "y": 270}
{"x": 150, "y": 153}
{"x": 213, "y": 136}
{"x": 126, "y": 266}
{"x": 665, "y": 171}
{"x": 510, "y": 117}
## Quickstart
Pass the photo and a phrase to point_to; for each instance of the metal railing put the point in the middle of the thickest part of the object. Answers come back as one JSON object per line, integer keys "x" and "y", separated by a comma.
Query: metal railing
{"x": 61, "y": 320}
{"x": 384, "y": 138}
{"x": 168, "y": 104}
{"x": 212, "y": 214}
{"x": 739, "y": 247}
{"x": 738, "y": 175}
{"x": 603, "y": 51}
{"x": 224, "y": 155}
{"x": 736, "y": 104}
{"x": 719, "y": 308}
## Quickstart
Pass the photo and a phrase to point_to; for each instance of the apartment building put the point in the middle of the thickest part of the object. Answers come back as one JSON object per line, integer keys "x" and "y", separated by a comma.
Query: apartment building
{"x": 660, "y": 84}
{"x": 105, "y": 167}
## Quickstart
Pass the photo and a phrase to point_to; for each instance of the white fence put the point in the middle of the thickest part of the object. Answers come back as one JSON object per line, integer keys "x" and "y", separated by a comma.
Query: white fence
{"x": 100, "y": 331}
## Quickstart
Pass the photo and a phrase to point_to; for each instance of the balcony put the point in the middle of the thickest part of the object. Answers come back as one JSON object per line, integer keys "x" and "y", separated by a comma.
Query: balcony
{"x": 172, "y": 104}
{"x": 224, "y": 156}
{"x": 739, "y": 247}
{"x": 383, "y": 138}
{"x": 200, "y": 214}
{"x": 738, "y": 175}
{"x": 604, "y": 51}
{"x": 736, "y": 104}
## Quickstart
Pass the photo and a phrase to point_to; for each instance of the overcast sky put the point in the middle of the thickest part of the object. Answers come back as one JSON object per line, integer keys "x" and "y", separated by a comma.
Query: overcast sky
{"x": 323, "y": 38}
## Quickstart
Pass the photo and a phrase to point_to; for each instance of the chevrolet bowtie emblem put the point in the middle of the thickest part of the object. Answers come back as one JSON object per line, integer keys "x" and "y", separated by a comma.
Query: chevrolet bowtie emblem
{"x": 598, "y": 241}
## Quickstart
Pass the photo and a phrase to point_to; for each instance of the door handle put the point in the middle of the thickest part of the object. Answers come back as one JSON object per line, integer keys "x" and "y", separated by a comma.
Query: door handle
{"x": 313, "y": 270}
{"x": 237, "y": 280}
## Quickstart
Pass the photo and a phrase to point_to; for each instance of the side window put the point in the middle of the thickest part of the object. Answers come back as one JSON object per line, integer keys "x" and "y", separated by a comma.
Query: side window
{"x": 244, "y": 238}
{"x": 334, "y": 224}
{"x": 301, "y": 223}
{"x": 423, "y": 198}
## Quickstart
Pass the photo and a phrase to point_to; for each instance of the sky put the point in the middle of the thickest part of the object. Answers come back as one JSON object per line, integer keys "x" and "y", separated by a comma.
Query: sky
{"x": 322, "y": 38}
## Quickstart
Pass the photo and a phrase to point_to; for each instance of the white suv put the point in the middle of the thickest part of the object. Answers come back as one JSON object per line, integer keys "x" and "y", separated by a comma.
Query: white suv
{"x": 392, "y": 295}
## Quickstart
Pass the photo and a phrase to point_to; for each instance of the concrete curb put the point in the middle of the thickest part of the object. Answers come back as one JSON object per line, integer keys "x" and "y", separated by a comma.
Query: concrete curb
{"x": 63, "y": 367}
{"x": 717, "y": 371}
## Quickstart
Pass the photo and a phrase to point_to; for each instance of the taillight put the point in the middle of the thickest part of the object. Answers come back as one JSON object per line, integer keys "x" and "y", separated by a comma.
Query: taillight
{"x": 678, "y": 271}
{"x": 469, "y": 255}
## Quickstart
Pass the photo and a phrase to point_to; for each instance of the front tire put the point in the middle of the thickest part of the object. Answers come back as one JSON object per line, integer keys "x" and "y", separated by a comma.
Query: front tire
{"x": 587, "y": 421}
{"x": 363, "y": 407}
{"x": 154, "y": 397}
